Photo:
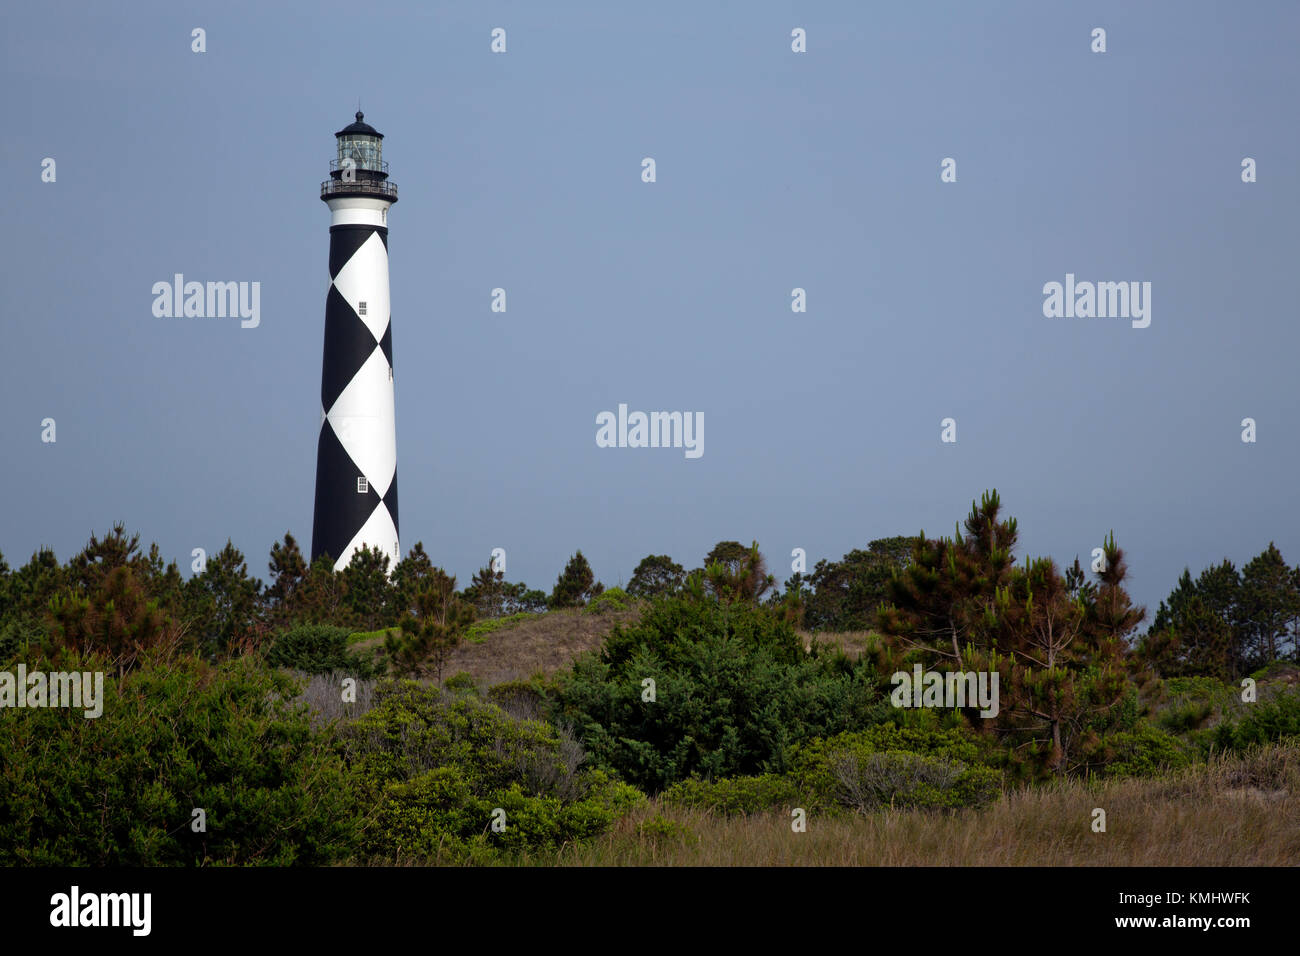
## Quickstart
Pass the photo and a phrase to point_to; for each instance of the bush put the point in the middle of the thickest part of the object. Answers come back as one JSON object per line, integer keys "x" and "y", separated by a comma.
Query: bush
{"x": 659, "y": 830}
{"x": 461, "y": 682}
{"x": 1145, "y": 752}
{"x": 120, "y": 789}
{"x": 437, "y": 768}
{"x": 734, "y": 795}
{"x": 1265, "y": 721}
{"x": 15, "y": 637}
{"x": 896, "y": 766}
{"x": 438, "y": 816}
{"x": 521, "y": 699}
{"x": 734, "y": 690}
{"x": 319, "y": 649}
{"x": 1185, "y": 717}
{"x": 611, "y": 600}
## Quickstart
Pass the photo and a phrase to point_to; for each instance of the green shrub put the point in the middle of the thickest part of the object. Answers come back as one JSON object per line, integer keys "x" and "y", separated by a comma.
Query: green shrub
{"x": 660, "y": 831}
{"x": 436, "y": 768}
{"x": 734, "y": 690}
{"x": 1196, "y": 688}
{"x": 734, "y": 795}
{"x": 888, "y": 765}
{"x": 439, "y": 816}
{"x": 613, "y": 599}
{"x": 1144, "y": 752}
{"x": 520, "y": 698}
{"x": 461, "y": 682}
{"x": 120, "y": 789}
{"x": 319, "y": 649}
{"x": 1185, "y": 717}
{"x": 1264, "y": 721}
{"x": 15, "y": 637}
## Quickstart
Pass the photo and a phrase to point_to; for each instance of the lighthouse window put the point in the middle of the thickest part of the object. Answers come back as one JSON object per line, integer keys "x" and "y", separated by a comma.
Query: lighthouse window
{"x": 365, "y": 151}
{"x": 361, "y": 308}
{"x": 363, "y": 485}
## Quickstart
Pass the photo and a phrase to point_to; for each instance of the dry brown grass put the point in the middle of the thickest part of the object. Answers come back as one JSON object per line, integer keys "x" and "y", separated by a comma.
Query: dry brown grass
{"x": 543, "y": 644}
{"x": 1232, "y": 812}
{"x": 851, "y": 643}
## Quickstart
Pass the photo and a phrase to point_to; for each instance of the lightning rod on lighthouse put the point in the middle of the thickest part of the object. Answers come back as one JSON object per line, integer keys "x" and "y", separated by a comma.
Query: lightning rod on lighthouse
{"x": 356, "y": 457}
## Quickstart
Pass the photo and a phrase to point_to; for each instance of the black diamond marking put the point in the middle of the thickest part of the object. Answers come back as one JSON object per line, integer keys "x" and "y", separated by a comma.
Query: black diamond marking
{"x": 340, "y": 510}
{"x": 386, "y": 343}
{"x": 390, "y": 501}
{"x": 348, "y": 345}
{"x": 344, "y": 243}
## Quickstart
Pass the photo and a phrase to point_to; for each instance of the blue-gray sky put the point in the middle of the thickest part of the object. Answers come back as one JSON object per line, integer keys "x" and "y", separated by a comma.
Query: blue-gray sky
{"x": 775, "y": 170}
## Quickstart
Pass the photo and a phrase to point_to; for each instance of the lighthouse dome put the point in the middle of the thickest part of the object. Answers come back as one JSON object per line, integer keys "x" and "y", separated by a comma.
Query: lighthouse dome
{"x": 358, "y": 168}
{"x": 360, "y": 127}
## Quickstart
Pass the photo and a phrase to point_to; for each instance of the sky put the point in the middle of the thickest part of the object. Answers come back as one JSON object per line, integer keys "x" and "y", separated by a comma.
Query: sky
{"x": 774, "y": 170}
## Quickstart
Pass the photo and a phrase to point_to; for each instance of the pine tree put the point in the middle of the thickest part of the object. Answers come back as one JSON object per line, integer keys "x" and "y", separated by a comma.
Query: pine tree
{"x": 1269, "y": 604}
{"x": 223, "y": 605}
{"x": 425, "y": 639}
{"x": 288, "y": 572}
{"x": 576, "y": 585}
{"x": 368, "y": 598}
{"x": 733, "y": 573}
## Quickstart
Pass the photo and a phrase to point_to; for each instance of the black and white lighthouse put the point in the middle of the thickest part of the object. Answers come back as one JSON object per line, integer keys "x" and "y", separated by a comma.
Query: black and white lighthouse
{"x": 356, "y": 458}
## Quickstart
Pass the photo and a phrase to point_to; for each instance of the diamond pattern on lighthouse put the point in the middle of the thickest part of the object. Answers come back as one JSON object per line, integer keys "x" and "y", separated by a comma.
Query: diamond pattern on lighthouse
{"x": 357, "y": 439}
{"x": 364, "y": 278}
{"x": 362, "y": 418}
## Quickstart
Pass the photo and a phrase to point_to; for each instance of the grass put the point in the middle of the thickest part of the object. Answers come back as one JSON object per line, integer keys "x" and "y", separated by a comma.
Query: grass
{"x": 539, "y": 644}
{"x": 361, "y": 637}
{"x": 1237, "y": 811}
{"x": 478, "y": 632}
{"x": 522, "y": 645}
{"x": 852, "y": 643}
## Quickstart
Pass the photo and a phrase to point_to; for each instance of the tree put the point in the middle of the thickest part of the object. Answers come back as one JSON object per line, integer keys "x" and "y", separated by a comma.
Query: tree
{"x": 520, "y": 598}
{"x": 321, "y": 593}
{"x": 576, "y": 585}
{"x": 734, "y": 573}
{"x": 88, "y": 570}
{"x": 844, "y": 595}
{"x": 32, "y": 586}
{"x": 116, "y": 620}
{"x": 410, "y": 576}
{"x": 288, "y": 572}
{"x": 940, "y": 599}
{"x": 223, "y": 603}
{"x": 1064, "y": 646}
{"x": 425, "y": 639}
{"x": 657, "y": 575}
{"x": 1269, "y": 604}
{"x": 487, "y": 591}
{"x": 1056, "y": 641}
{"x": 367, "y": 594}
{"x": 1197, "y": 630}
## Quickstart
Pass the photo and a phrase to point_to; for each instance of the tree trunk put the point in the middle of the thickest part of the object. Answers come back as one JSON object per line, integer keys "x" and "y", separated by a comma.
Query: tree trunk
{"x": 1057, "y": 754}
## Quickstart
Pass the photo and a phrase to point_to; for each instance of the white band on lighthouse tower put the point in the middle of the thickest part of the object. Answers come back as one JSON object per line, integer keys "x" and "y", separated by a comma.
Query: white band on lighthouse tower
{"x": 358, "y": 211}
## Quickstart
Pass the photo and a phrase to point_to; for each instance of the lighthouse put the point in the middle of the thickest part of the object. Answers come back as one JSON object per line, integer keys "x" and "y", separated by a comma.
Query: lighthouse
{"x": 356, "y": 457}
